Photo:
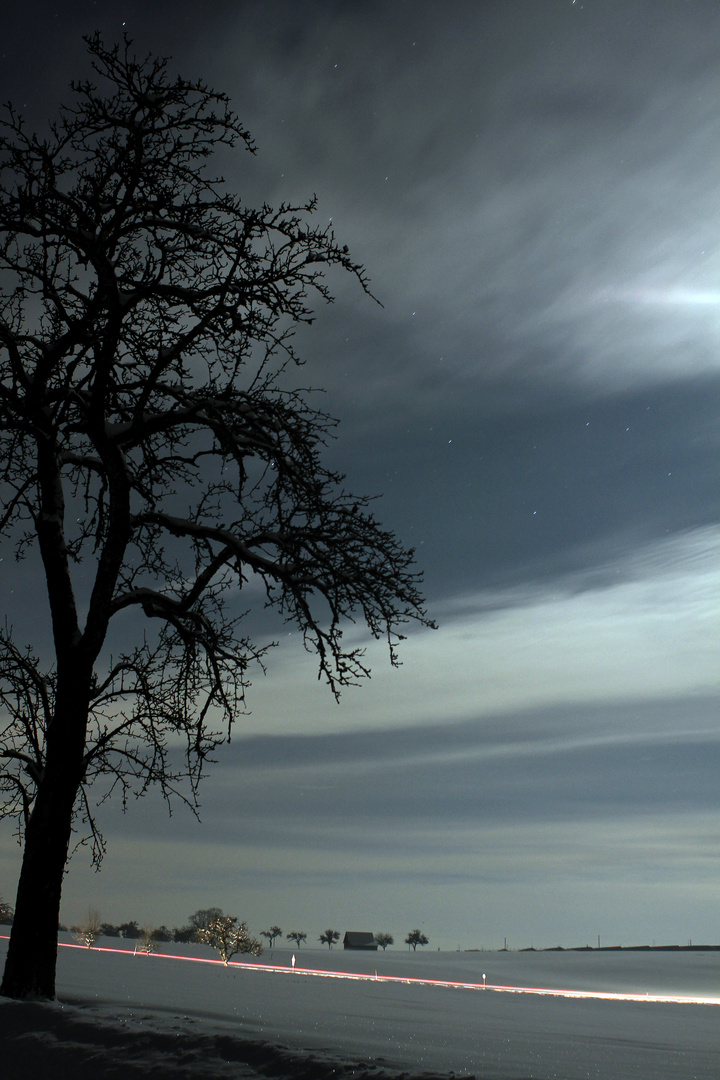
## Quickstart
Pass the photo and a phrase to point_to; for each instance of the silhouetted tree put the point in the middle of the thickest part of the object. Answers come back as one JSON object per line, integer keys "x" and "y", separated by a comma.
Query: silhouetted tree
{"x": 229, "y": 938}
{"x": 329, "y": 937}
{"x": 130, "y": 930}
{"x": 154, "y": 453}
{"x": 383, "y": 940}
{"x": 202, "y": 918}
{"x": 415, "y": 938}
{"x": 271, "y": 934}
{"x": 297, "y": 936}
{"x": 6, "y": 913}
{"x": 184, "y": 933}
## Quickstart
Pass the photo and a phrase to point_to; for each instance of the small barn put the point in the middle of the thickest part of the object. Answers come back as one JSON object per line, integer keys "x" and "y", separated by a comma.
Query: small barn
{"x": 359, "y": 939}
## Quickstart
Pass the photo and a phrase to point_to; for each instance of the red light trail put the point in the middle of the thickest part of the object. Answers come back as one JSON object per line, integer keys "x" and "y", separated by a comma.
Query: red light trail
{"x": 440, "y": 983}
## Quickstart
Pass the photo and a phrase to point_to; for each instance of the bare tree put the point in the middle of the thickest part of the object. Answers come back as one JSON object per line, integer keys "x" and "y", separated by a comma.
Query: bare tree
{"x": 329, "y": 937}
{"x": 89, "y": 930}
{"x": 6, "y": 913}
{"x": 147, "y": 939}
{"x": 229, "y": 938}
{"x": 415, "y": 938}
{"x": 383, "y": 940}
{"x": 298, "y": 936}
{"x": 155, "y": 455}
{"x": 271, "y": 934}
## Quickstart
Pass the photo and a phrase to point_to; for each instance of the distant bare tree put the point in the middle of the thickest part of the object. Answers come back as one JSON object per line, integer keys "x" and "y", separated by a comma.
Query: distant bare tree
{"x": 383, "y": 940}
{"x": 88, "y": 931}
{"x": 271, "y": 934}
{"x": 6, "y": 913}
{"x": 147, "y": 940}
{"x": 155, "y": 455}
{"x": 329, "y": 937}
{"x": 415, "y": 938}
{"x": 297, "y": 936}
{"x": 228, "y": 937}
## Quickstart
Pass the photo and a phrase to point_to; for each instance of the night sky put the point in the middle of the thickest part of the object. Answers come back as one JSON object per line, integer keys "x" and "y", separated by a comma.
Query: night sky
{"x": 534, "y": 188}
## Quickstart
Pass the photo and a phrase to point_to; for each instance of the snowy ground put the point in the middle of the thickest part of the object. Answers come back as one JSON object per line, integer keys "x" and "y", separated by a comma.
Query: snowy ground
{"x": 124, "y": 1016}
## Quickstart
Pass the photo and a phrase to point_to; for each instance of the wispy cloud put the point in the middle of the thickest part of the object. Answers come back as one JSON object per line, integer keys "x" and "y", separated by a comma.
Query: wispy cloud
{"x": 515, "y": 229}
{"x": 642, "y": 626}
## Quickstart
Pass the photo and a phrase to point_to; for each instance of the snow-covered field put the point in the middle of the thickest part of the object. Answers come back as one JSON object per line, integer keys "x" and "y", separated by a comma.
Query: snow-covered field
{"x": 119, "y": 1015}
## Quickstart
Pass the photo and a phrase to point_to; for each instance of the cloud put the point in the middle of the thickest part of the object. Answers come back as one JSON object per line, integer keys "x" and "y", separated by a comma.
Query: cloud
{"x": 537, "y": 839}
{"x": 562, "y": 737}
{"x": 511, "y": 188}
{"x": 416, "y": 797}
{"x": 519, "y": 194}
{"x": 642, "y": 626}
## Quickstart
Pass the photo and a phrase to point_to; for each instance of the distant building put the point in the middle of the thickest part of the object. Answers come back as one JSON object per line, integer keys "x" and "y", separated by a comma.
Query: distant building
{"x": 359, "y": 939}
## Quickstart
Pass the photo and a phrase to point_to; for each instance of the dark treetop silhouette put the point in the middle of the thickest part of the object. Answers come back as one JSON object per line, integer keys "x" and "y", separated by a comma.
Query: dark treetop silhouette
{"x": 152, "y": 452}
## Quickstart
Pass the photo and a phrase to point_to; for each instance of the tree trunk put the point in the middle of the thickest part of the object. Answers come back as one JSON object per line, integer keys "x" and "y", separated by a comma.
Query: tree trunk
{"x": 32, "y": 951}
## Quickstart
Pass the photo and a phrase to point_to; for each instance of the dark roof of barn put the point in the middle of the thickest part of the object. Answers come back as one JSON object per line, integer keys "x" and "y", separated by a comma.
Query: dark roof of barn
{"x": 359, "y": 939}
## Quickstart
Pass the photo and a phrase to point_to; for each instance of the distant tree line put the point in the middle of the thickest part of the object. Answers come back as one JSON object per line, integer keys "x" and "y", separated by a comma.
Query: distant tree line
{"x": 210, "y": 926}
